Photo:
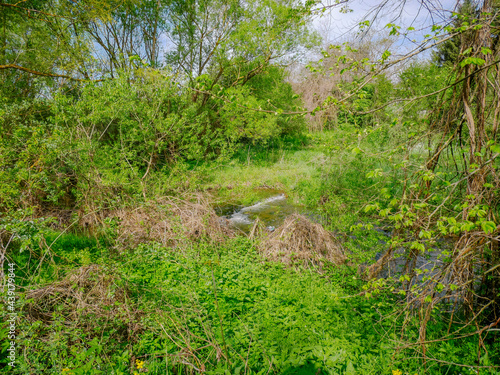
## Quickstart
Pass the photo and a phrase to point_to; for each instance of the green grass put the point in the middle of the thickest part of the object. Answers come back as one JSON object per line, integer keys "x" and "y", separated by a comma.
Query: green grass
{"x": 273, "y": 318}
{"x": 241, "y": 181}
{"x": 225, "y": 309}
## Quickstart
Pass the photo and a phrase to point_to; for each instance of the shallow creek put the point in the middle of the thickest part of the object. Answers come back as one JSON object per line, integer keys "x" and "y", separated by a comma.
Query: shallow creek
{"x": 272, "y": 209}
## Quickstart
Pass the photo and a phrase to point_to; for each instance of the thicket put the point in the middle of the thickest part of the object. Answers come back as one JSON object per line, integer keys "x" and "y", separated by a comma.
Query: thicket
{"x": 114, "y": 116}
{"x": 107, "y": 140}
{"x": 451, "y": 195}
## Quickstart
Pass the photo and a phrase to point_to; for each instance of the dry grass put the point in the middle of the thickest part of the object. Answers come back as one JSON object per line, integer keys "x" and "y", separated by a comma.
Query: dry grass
{"x": 170, "y": 221}
{"x": 86, "y": 297}
{"x": 258, "y": 229}
{"x": 299, "y": 239}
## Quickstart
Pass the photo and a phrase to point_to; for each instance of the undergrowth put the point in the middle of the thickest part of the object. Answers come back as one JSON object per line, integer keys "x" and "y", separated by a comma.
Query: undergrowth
{"x": 97, "y": 302}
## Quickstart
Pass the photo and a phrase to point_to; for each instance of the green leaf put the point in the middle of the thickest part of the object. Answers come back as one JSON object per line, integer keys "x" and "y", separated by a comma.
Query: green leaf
{"x": 495, "y": 149}
{"x": 425, "y": 234}
{"x": 488, "y": 226}
{"x": 417, "y": 246}
{"x": 386, "y": 55}
{"x": 485, "y": 51}
{"x": 467, "y": 51}
{"x": 472, "y": 61}
{"x": 357, "y": 151}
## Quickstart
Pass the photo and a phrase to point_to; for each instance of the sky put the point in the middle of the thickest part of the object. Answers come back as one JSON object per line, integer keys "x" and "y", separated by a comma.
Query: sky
{"x": 337, "y": 26}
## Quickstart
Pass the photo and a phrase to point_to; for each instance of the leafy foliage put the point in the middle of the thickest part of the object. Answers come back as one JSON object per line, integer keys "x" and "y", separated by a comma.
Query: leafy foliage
{"x": 99, "y": 115}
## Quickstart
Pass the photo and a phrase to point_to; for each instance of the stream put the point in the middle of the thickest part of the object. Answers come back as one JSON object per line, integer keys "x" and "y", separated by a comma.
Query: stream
{"x": 272, "y": 211}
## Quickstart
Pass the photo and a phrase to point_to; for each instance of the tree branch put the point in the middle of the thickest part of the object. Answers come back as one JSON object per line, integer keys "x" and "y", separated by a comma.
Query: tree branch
{"x": 46, "y": 74}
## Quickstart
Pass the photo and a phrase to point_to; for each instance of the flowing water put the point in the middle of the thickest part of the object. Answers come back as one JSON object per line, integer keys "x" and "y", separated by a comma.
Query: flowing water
{"x": 272, "y": 211}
